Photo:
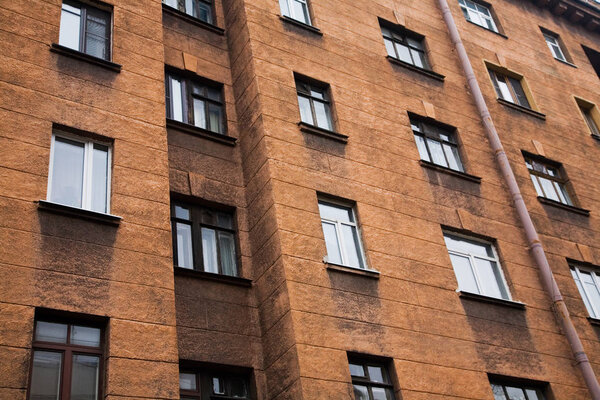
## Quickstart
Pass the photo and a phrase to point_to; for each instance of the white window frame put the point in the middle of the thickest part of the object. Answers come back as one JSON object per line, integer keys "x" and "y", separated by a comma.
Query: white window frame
{"x": 471, "y": 258}
{"x": 481, "y": 15}
{"x": 291, "y": 9}
{"x": 594, "y": 313}
{"x": 340, "y": 238}
{"x": 554, "y": 44}
{"x": 86, "y": 198}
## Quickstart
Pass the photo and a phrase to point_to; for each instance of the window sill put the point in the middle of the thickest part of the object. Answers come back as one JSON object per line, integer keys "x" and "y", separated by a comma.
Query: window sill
{"x": 488, "y": 29}
{"x": 565, "y": 62}
{"x": 526, "y": 110}
{"x": 192, "y": 20}
{"x": 204, "y": 133}
{"x": 594, "y": 321}
{"x": 576, "y": 210}
{"x": 300, "y": 24}
{"x": 233, "y": 280}
{"x": 597, "y": 137}
{"x": 491, "y": 300}
{"x": 369, "y": 273}
{"x": 449, "y": 171}
{"x": 315, "y": 130}
{"x": 422, "y": 71}
{"x": 65, "y": 51}
{"x": 78, "y": 212}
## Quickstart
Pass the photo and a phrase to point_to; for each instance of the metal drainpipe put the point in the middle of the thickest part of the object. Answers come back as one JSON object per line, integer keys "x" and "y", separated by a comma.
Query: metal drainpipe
{"x": 532, "y": 237}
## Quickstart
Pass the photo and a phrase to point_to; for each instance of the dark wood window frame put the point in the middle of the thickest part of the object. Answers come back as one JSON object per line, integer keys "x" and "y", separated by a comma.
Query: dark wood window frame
{"x": 366, "y": 361}
{"x": 196, "y": 225}
{"x": 187, "y": 82}
{"x": 592, "y": 121}
{"x": 204, "y": 383}
{"x": 316, "y": 86}
{"x": 541, "y": 388}
{"x": 211, "y": 26}
{"x": 511, "y": 81}
{"x": 68, "y": 350}
{"x": 85, "y": 9}
{"x": 399, "y": 34}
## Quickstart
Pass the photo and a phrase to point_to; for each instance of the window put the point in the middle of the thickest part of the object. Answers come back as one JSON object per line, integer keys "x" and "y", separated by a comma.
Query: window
{"x": 436, "y": 144}
{"x": 79, "y": 173}
{"x": 315, "y": 105}
{"x": 516, "y": 392}
{"x": 476, "y": 267}
{"x": 205, "y": 385}
{"x": 201, "y": 9}
{"x": 370, "y": 380}
{"x": 203, "y": 239}
{"x": 548, "y": 180}
{"x": 67, "y": 361}
{"x": 195, "y": 102}
{"x": 405, "y": 46}
{"x": 555, "y": 45}
{"x": 594, "y": 58}
{"x": 509, "y": 88}
{"x": 478, "y": 14}
{"x": 342, "y": 237}
{"x": 296, "y": 9}
{"x": 591, "y": 115}
{"x": 85, "y": 28}
{"x": 588, "y": 283}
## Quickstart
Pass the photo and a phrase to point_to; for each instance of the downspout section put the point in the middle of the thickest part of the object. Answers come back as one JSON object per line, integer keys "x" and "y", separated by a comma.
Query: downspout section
{"x": 532, "y": 237}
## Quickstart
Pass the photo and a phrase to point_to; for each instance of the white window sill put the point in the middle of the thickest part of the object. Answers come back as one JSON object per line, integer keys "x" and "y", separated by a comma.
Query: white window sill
{"x": 79, "y": 212}
{"x": 492, "y": 300}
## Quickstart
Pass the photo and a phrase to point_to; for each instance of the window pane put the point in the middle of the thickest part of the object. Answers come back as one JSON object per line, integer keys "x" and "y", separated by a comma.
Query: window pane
{"x": 548, "y": 187}
{"x": 171, "y": 3}
{"x": 97, "y": 33}
{"x": 532, "y": 394}
{"x": 95, "y": 46}
{"x": 389, "y": 47}
{"x": 70, "y": 21}
{"x": 300, "y": 11}
{"x": 100, "y": 178}
{"x": 498, "y": 392}
{"x": 45, "y": 375}
{"x": 204, "y": 12}
{"x": 418, "y": 58}
{"x": 215, "y": 116}
{"x": 67, "y": 172}
{"x": 199, "y": 113}
{"x": 381, "y": 393}
{"x": 218, "y": 387}
{"x": 504, "y": 90}
{"x": 84, "y": 381}
{"x": 285, "y": 8}
{"x": 453, "y": 157}
{"x": 375, "y": 374}
{"x": 562, "y": 193}
{"x": 50, "y": 332}
{"x": 515, "y": 393}
{"x": 176, "y": 99}
{"x": 591, "y": 122}
{"x": 187, "y": 381}
{"x": 227, "y": 247}
{"x": 403, "y": 53}
{"x": 356, "y": 370}
{"x": 209, "y": 250}
{"x": 305, "y": 112}
{"x": 583, "y": 294}
{"x": 323, "y": 114}
{"x": 336, "y": 213}
{"x": 437, "y": 153}
{"x": 361, "y": 393}
{"x": 464, "y": 274}
{"x": 422, "y": 148}
{"x": 466, "y": 246}
{"x": 185, "y": 258}
{"x": 518, "y": 89}
{"x": 85, "y": 336}
{"x": 490, "y": 279}
{"x": 225, "y": 220}
{"x": 237, "y": 388}
{"x": 537, "y": 186}
{"x": 182, "y": 212}
{"x": 332, "y": 244}
{"x": 351, "y": 246}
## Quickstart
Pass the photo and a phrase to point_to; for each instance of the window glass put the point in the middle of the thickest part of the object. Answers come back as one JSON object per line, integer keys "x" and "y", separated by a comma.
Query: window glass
{"x": 199, "y": 113}
{"x": 375, "y": 385}
{"x": 45, "y": 375}
{"x": 50, "y": 332}
{"x": 85, "y": 336}
{"x": 356, "y": 370}
{"x": 341, "y": 235}
{"x": 515, "y": 392}
{"x": 305, "y": 111}
{"x": 176, "y": 99}
{"x": 70, "y": 21}
{"x": 361, "y": 392}
{"x": 84, "y": 381}
{"x": 323, "y": 113}
{"x": 498, "y": 392}
{"x": 182, "y": 212}
{"x": 227, "y": 247}
{"x": 519, "y": 92}
{"x": 209, "y": 250}
{"x": 187, "y": 381}
{"x": 332, "y": 244}
{"x": 67, "y": 172}
{"x": 184, "y": 246}
{"x": 464, "y": 273}
{"x": 314, "y": 104}
{"x": 96, "y": 33}
{"x": 548, "y": 182}
{"x": 422, "y": 147}
{"x": 478, "y": 14}
{"x": 334, "y": 212}
{"x": 215, "y": 116}
{"x": 436, "y": 145}
{"x": 351, "y": 245}
{"x": 100, "y": 178}
{"x": 375, "y": 374}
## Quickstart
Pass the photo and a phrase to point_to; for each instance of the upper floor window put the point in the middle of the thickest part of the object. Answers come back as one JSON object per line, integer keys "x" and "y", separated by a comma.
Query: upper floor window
{"x": 555, "y": 45}
{"x": 342, "y": 237}
{"x": 594, "y": 57}
{"x": 79, "y": 173}
{"x": 85, "y": 28}
{"x": 436, "y": 144}
{"x": 212, "y": 385}
{"x": 195, "y": 102}
{"x": 67, "y": 361}
{"x": 476, "y": 266}
{"x": 201, "y": 9}
{"x": 370, "y": 379}
{"x": 591, "y": 115}
{"x": 315, "y": 104}
{"x": 514, "y": 391}
{"x": 296, "y": 9}
{"x": 204, "y": 239}
{"x": 478, "y": 13}
{"x": 406, "y": 46}
{"x": 548, "y": 180}
{"x": 509, "y": 87}
{"x": 588, "y": 283}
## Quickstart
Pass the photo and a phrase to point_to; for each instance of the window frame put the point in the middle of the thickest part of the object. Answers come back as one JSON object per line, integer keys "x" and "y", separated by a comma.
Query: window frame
{"x": 562, "y": 179}
{"x": 188, "y": 96}
{"x": 204, "y": 383}
{"x": 67, "y": 351}
{"x": 83, "y": 6}
{"x": 183, "y": 9}
{"x": 405, "y": 34}
{"x": 492, "y": 17}
{"x": 450, "y": 131}
{"x": 540, "y": 388}
{"x": 593, "y": 57}
{"x": 349, "y": 206}
{"x": 558, "y": 43}
{"x": 196, "y": 225}
{"x": 87, "y": 184}
{"x": 591, "y": 115}
{"x": 502, "y": 284}
{"x": 316, "y": 86}
{"x": 370, "y": 361}
{"x": 593, "y": 310}
{"x": 509, "y": 78}
{"x": 291, "y": 13}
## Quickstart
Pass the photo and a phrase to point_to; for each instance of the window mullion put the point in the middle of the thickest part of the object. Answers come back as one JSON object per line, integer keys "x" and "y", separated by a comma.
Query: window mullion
{"x": 585, "y": 292}
{"x": 82, "y": 28}
{"x": 341, "y": 245}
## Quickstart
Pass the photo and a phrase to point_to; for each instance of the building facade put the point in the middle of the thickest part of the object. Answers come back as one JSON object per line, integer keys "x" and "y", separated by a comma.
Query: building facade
{"x": 299, "y": 199}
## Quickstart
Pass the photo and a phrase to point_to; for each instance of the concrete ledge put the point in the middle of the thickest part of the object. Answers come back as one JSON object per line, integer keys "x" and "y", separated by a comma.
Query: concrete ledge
{"x": 204, "y": 133}
{"x": 300, "y": 24}
{"x": 369, "y": 273}
{"x": 576, "y": 210}
{"x": 526, "y": 110}
{"x": 192, "y": 20}
{"x": 422, "y": 71}
{"x": 491, "y": 300}
{"x": 449, "y": 171}
{"x": 57, "y": 48}
{"x": 315, "y": 130}
{"x": 231, "y": 280}
{"x": 78, "y": 212}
